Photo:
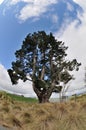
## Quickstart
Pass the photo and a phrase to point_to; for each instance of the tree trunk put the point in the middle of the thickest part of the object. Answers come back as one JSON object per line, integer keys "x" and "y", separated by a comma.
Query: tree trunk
{"x": 43, "y": 94}
{"x": 43, "y": 98}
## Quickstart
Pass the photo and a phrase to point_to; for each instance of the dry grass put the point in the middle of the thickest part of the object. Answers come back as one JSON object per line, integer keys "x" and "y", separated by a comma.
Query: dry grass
{"x": 48, "y": 116}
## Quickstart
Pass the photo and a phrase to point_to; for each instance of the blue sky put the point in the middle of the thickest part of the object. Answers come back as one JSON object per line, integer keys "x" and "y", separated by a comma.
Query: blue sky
{"x": 14, "y": 28}
{"x": 65, "y": 19}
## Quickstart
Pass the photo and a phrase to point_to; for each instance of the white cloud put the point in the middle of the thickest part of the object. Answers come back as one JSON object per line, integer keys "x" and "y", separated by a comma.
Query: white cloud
{"x": 21, "y": 88}
{"x": 33, "y": 8}
{"x": 1, "y": 1}
{"x": 4, "y": 78}
{"x": 81, "y": 3}
{"x": 69, "y": 6}
{"x": 14, "y": 2}
{"x": 75, "y": 38}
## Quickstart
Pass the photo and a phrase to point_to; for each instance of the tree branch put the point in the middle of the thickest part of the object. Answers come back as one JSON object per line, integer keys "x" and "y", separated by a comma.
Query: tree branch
{"x": 42, "y": 72}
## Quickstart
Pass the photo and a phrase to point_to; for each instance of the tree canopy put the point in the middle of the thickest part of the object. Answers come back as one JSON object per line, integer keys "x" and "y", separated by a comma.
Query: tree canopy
{"x": 42, "y": 59}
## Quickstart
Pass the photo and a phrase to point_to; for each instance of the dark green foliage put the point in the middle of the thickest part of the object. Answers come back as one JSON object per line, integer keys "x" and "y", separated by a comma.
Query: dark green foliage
{"x": 13, "y": 76}
{"x": 57, "y": 89}
{"x": 42, "y": 57}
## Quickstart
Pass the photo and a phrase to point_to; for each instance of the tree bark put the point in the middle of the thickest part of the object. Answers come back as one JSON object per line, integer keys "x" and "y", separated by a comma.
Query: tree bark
{"x": 42, "y": 73}
{"x": 43, "y": 98}
{"x": 45, "y": 94}
{"x": 34, "y": 63}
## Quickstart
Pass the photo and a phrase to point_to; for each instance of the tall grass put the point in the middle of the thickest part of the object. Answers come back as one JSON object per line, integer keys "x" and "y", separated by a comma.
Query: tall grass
{"x": 49, "y": 116}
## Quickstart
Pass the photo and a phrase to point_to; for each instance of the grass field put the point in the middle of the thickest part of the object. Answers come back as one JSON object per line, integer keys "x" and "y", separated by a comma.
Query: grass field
{"x": 79, "y": 98}
{"x": 22, "y": 98}
{"x": 49, "y": 116}
{"x": 17, "y": 97}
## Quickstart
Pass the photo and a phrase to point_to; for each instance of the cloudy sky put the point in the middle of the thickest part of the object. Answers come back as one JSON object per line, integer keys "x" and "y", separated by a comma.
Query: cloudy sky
{"x": 66, "y": 19}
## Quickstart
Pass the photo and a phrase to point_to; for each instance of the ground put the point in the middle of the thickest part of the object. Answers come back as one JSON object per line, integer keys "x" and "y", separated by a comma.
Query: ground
{"x": 17, "y": 115}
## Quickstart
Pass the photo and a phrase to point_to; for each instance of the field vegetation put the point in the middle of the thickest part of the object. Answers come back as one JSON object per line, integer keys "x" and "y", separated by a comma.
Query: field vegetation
{"x": 17, "y": 115}
{"x": 21, "y": 98}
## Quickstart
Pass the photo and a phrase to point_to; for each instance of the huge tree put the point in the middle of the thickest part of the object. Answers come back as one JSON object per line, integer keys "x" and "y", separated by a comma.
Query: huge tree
{"x": 42, "y": 59}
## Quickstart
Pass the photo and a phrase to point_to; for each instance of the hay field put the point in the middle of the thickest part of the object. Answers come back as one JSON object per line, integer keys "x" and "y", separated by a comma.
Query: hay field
{"x": 17, "y": 115}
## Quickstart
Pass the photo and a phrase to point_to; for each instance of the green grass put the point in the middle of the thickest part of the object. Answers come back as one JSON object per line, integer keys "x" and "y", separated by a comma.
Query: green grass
{"x": 18, "y": 98}
{"x": 22, "y": 98}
